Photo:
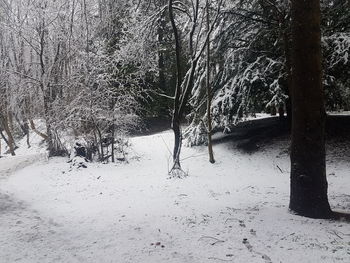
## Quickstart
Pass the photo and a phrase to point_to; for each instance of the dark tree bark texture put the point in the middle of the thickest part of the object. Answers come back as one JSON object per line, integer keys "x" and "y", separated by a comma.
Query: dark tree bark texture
{"x": 308, "y": 196}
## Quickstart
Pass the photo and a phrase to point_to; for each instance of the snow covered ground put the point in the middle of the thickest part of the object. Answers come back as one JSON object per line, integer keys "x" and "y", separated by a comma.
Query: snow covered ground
{"x": 233, "y": 211}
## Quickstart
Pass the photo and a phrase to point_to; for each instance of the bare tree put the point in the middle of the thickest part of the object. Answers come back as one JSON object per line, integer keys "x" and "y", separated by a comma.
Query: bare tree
{"x": 184, "y": 84}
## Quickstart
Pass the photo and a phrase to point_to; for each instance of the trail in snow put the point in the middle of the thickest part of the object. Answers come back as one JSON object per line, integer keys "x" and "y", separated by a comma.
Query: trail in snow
{"x": 235, "y": 210}
{"x": 10, "y": 165}
{"x": 232, "y": 211}
{"x": 21, "y": 225}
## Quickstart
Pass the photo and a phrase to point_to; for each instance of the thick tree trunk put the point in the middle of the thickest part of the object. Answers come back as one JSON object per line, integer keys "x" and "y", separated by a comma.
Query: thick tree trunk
{"x": 308, "y": 196}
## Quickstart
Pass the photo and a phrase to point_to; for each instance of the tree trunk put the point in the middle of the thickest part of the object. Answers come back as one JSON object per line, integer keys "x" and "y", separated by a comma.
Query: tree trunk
{"x": 308, "y": 196}
{"x": 178, "y": 141}
{"x": 288, "y": 66}
{"x": 177, "y": 107}
{"x": 100, "y": 142}
{"x": 47, "y": 111}
{"x": 33, "y": 127}
{"x": 24, "y": 127}
{"x": 210, "y": 144}
{"x": 10, "y": 121}
{"x": 112, "y": 144}
{"x": 3, "y": 137}
{"x": 10, "y": 141}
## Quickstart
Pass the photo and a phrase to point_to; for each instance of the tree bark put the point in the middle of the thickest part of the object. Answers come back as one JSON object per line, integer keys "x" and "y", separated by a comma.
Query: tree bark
{"x": 210, "y": 144}
{"x": 34, "y": 129}
{"x": 24, "y": 127}
{"x": 308, "y": 195}
{"x": 113, "y": 140}
{"x": 178, "y": 142}
{"x": 10, "y": 141}
{"x": 288, "y": 66}
{"x": 176, "y": 111}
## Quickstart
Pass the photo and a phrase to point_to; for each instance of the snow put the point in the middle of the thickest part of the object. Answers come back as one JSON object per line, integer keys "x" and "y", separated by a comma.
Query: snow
{"x": 37, "y": 144}
{"x": 258, "y": 116}
{"x": 233, "y": 211}
{"x": 12, "y": 164}
{"x": 339, "y": 113}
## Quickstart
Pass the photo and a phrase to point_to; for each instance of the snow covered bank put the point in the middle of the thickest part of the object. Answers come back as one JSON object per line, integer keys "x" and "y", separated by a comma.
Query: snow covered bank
{"x": 232, "y": 211}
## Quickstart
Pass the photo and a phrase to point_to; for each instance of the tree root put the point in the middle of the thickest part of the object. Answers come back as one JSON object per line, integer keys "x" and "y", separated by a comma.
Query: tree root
{"x": 177, "y": 172}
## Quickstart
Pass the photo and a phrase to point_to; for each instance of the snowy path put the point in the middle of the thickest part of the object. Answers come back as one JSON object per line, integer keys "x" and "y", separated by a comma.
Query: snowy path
{"x": 20, "y": 224}
{"x": 233, "y": 211}
{"x": 10, "y": 165}
{"x": 16, "y": 217}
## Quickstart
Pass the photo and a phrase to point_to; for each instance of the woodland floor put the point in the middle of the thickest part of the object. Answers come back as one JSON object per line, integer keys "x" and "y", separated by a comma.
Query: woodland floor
{"x": 233, "y": 211}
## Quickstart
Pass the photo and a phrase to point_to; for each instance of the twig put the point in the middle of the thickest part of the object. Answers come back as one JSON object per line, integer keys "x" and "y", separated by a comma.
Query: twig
{"x": 283, "y": 238}
{"x": 165, "y": 144}
{"x": 279, "y": 169}
{"x": 193, "y": 156}
{"x": 216, "y": 240}
{"x": 220, "y": 259}
{"x": 165, "y": 96}
{"x": 343, "y": 233}
{"x": 335, "y": 233}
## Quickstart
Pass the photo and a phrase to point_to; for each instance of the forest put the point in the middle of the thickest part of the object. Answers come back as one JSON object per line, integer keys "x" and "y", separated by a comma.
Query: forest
{"x": 174, "y": 131}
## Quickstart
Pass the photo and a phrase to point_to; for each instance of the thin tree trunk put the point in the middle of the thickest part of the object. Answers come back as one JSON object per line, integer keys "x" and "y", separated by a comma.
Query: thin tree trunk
{"x": 184, "y": 86}
{"x": 308, "y": 196}
{"x": 100, "y": 142}
{"x": 288, "y": 66}
{"x": 4, "y": 137}
{"x": 112, "y": 145}
{"x": 177, "y": 144}
{"x": 9, "y": 141}
{"x": 97, "y": 147}
{"x": 210, "y": 144}
{"x": 25, "y": 129}
{"x": 34, "y": 129}
{"x": 176, "y": 112}
{"x": 20, "y": 125}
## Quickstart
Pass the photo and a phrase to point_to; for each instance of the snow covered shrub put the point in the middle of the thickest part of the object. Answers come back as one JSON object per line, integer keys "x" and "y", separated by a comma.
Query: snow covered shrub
{"x": 337, "y": 68}
{"x": 250, "y": 67}
{"x": 248, "y": 70}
